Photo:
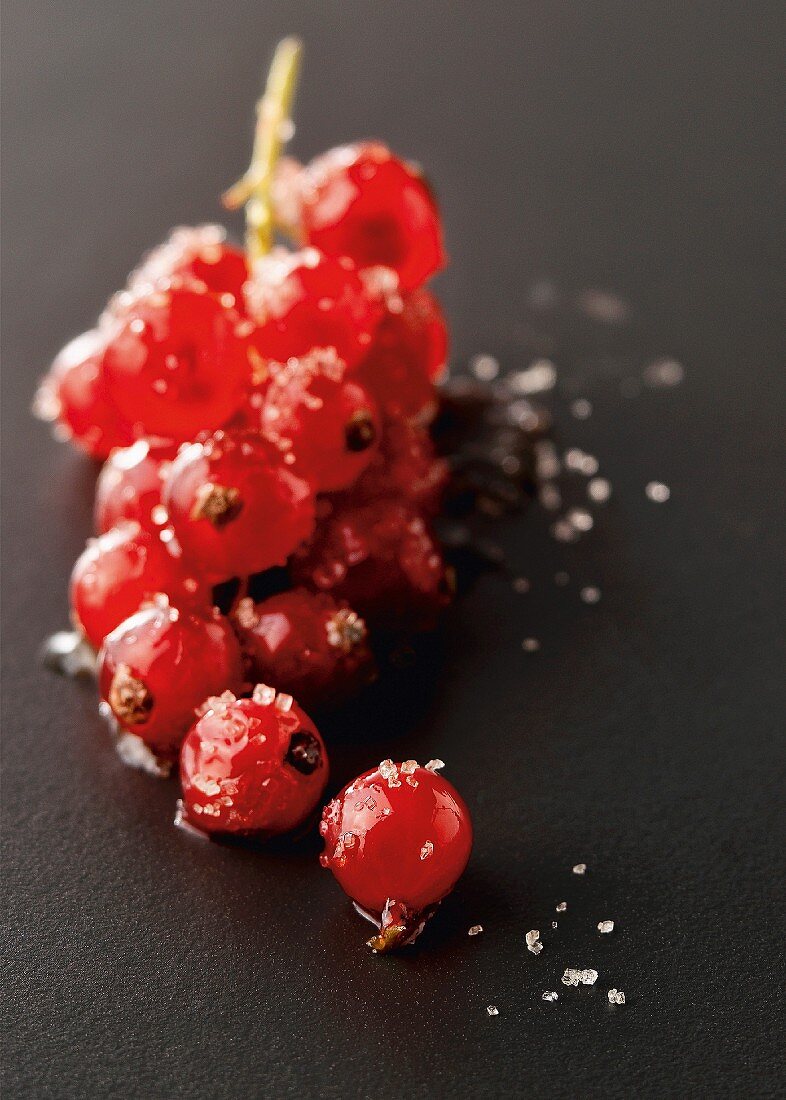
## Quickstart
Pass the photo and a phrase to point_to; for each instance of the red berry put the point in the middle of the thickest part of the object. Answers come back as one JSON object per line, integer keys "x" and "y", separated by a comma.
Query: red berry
{"x": 201, "y": 254}
{"x": 306, "y": 644}
{"x": 252, "y": 766}
{"x": 361, "y": 201}
{"x": 404, "y": 467}
{"x": 74, "y": 396}
{"x": 408, "y": 355}
{"x": 235, "y": 506}
{"x": 120, "y": 570}
{"x": 177, "y": 362}
{"x": 160, "y": 664}
{"x": 130, "y": 485}
{"x": 380, "y": 558}
{"x": 397, "y": 840}
{"x": 327, "y": 422}
{"x": 304, "y": 300}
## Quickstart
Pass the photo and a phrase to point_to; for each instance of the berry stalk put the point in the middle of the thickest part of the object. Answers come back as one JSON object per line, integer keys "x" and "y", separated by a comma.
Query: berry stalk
{"x": 273, "y": 118}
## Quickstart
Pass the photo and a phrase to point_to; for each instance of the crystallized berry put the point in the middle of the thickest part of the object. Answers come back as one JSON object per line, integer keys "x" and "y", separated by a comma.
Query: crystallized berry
{"x": 177, "y": 361}
{"x": 160, "y": 664}
{"x": 235, "y": 506}
{"x": 130, "y": 485}
{"x": 74, "y": 397}
{"x": 200, "y": 254}
{"x": 382, "y": 559}
{"x": 306, "y": 644}
{"x": 252, "y": 766}
{"x": 361, "y": 201}
{"x": 122, "y": 569}
{"x": 304, "y": 300}
{"x": 397, "y": 840}
{"x": 328, "y": 423}
{"x": 408, "y": 354}
{"x": 404, "y": 467}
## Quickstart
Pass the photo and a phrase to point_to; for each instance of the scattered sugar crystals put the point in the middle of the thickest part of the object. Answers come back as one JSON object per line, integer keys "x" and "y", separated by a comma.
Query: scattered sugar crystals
{"x": 539, "y": 377}
{"x": 475, "y": 930}
{"x": 589, "y": 977}
{"x": 579, "y": 977}
{"x": 484, "y": 367}
{"x": 561, "y": 579}
{"x": 580, "y": 462}
{"x": 589, "y": 594}
{"x": 549, "y": 996}
{"x": 530, "y": 645}
{"x": 663, "y": 374}
{"x": 658, "y": 492}
{"x": 616, "y": 997}
{"x": 549, "y": 496}
{"x": 563, "y": 905}
{"x": 579, "y": 868}
{"x": 599, "y": 490}
{"x": 521, "y": 585}
{"x": 581, "y": 408}
{"x": 435, "y": 765}
{"x": 533, "y": 942}
{"x": 580, "y": 518}
{"x": 426, "y": 850}
{"x": 606, "y": 926}
{"x": 492, "y": 1010}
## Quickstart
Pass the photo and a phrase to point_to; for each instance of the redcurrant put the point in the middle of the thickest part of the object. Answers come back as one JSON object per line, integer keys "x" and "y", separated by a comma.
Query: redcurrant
{"x": 306, "y": 644}
{"x": 130, "y": 484}
{"x": 361, "y": 201}
{"x": 160, "y": 664}
{"x": 252, "y": 766}
{"x": 397, "y": 840}
{"x": 73, "y": 396}
{"x": 304, "y": 300}
{"x": 327, "y": 422}
{"x": 200, "y": 254}
{"x": 235, "y": 505}
{"x": 404, "y": 467}
{"x": 382, "y": 559}
{"x": 177, "y": 361}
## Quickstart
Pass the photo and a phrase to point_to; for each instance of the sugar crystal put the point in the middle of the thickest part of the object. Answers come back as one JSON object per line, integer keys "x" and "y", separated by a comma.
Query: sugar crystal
{"x": 475, "y": 930}
{"x": 492, "y": 1010}
{"x": 616, "y": 997}
{"x": 606, "y": 926}
{"x": 657, "y": 492}
{"x": 549, "y": 996}
{"x": 579, "y": 868}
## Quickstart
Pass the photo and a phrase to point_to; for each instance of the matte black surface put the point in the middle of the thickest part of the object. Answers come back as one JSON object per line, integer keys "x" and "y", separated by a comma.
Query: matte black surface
{"x": 633, "y": 147}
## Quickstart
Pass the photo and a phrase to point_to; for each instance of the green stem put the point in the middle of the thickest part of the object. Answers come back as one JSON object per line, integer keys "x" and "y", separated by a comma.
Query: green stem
{"x": 273, "y": 112}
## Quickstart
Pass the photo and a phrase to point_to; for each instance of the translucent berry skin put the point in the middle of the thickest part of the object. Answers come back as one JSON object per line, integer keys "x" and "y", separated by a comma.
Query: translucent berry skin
{"x": 74, "y": 396}
{"x": 382, "y": 559}
{"x": 130, "y": 484}
{"x": 200, "y": 253}
{"x": 304, "y": 300}
{"x": 327, "y": 422}
{"x": 408, "y": 355}
{"x": 158, "y": 666}
{"x": 252, "y": 766}
{"x": 361, "y": 201}
{"x": 306, "y": 644}
{"x": 394, "y": 837}
{"x": 235, "y": 505}
{"x": 120, "y": 570}
{"x": 404, "y": 467}
{"x": 176, "y": 362}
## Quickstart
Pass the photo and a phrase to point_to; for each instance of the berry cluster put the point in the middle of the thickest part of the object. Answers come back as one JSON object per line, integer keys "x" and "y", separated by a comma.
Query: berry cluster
{"x": 267, "y": 413}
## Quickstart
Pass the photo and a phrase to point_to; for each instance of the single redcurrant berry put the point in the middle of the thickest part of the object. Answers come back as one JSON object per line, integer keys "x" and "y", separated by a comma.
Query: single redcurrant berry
{"x": 235, "y": 505}
{"x": 202, "y": 254}
{"x": 306, "y": 644}
{"x": 73, "y": 397}
{"x": 382, "y": 559}
{"x": 130, "y": 485}
{"x": 160, "y": 664}
{"x": 327, "y": 422}
{"x": 119, "y": 571}
{"x": 176, "y": 362}
{"x": 361, "y": 201}
{"x": 304, "y": 300}
{"x": 397, "y": 840}
{"x": 404, "y": 467}
{"x": 252, "y": 766}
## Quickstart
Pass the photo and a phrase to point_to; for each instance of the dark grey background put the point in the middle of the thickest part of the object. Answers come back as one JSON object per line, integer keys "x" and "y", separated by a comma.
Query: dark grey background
{"x": 627, "y": 146}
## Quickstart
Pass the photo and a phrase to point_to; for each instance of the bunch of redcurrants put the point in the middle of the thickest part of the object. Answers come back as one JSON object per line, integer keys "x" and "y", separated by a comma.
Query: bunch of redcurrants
{"x": 263, "y": 419}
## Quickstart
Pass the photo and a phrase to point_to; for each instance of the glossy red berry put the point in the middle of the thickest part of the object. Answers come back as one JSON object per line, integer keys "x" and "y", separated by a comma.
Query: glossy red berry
{"x": 176, "y": 362}
{"x": 130, "y": 484}
{"x": 200, "y": 253}
{"x": 306, "y": 644}
{"x": 252, "y": 766}
{"x": 74, "y": 397}
{"x": 382, "y": 559}
{"x": 327, "y": 422}
{"x": 158, "y": 666}
{"x": 404, "y": 467}
{"x": 119, "y": 571}
{"x": 235, "y": 505}
{"x": 304, "y": 300}
{"x": 361, "y": 201}
{"x": 397, "y": 840}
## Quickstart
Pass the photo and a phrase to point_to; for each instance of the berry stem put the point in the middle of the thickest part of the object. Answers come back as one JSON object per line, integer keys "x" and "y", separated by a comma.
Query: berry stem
{"x": 273, "y": 116}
